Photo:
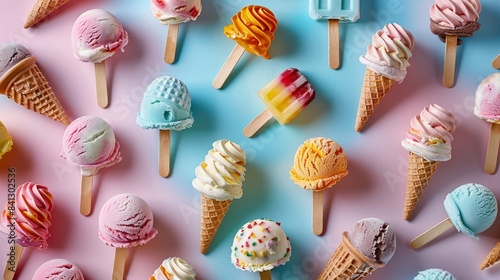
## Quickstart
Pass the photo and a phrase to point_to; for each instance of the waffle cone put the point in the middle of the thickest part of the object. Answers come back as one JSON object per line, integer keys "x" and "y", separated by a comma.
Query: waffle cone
{"x": 419, "y": 174}
{"x": 26, "y": 85}
{"x": 492, "y": 258}
{"x": 348, "y": 263}
{"x": 374, "y": 89}
{"x": 41, "y": 9}
{"x": 212, "y": 214}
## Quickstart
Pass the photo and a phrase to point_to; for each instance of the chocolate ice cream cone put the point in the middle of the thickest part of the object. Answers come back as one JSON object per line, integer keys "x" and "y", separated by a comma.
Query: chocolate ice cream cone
{"x": 41, "y": 9}
{"x": 492, "y": 258}
{"x": 212, "y": 214}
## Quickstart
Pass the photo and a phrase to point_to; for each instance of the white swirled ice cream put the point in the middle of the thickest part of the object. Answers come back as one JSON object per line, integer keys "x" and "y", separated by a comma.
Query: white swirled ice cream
{"x": 174, "y": 268}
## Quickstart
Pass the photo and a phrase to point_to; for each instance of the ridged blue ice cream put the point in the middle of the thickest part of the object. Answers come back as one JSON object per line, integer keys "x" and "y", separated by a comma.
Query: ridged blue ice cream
{"x": 434, "y": 274}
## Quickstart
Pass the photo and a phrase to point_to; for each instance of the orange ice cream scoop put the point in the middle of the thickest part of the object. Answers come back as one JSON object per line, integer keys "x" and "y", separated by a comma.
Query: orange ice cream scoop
{"x": 319, "y": 163}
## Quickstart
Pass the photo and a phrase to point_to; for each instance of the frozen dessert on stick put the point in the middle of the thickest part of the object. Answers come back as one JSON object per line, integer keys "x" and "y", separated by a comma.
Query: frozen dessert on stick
{"x": 125, "y": 221}
{"x": 451, "y": 19}
{"x": 22, "y": 81}
{"x": 319, "y": 163}
{"x": 166, "y": 106}
{"x": 253, "y": 30}
{"x": 219, "y": 179}
{"x": 434, "y": 274}
{"x": 90, "y": 144}
{"x": 96, "y": 36}
{"x": 41, "y": 9}
{"x": 259, "y": 246}
{"x": 428, "y": 143}
{"x": 368, "y": 245}
{"x": 492, "y": 258}
{"x": 58, "y": 269}
{"x": 5, "y": 140}
{"x": 472, "y": 208}
{"x": 386, "y": 60}
{"x": 174, "y": 268}
{"x": 487, "y": 107}
{"x": 26, "y": 219}
{"x": 335, "y": 11}
{"x": 173, "y": 13}
{"x": 285, "y": 97}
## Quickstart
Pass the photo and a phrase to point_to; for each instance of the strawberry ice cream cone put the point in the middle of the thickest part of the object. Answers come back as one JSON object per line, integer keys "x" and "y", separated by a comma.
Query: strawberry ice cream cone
{"x": 492, "y": 258}
{"x": 42, "y": 9}
{"x": 212, "y": 214}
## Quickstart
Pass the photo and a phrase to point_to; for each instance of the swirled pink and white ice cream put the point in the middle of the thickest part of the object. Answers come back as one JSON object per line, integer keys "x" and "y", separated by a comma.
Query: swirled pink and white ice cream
{"x": 174, "y": 268}
{"x": 430, "y": 134}
{"x": 487, "y": 102}
{"x": 58, "y": 269}
{"x": 175, "y": 11}
{"x": 454, "y": 17}
{"x": 389, "y": 52}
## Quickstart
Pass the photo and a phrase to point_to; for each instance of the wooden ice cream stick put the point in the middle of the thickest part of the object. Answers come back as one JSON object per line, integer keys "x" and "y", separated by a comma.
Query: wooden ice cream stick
{"x": 228, "y": 66}
{"x": 164, "y": 153}
{"x": 86, "y": 195}
{"x": 333, "y": 43}
{"x": 257, "y": 123}
{"x": 317, "y": 212}
{"x": 119, "y": 264}
{"x": 265, "y": 275}
{"x": 10, "y": 268}
{"x": 101, "y": 84}
{"x": 492, "y": 150}
{"x": 431, "y": 234}
{"x": 450, "y": 56}
{"x": 171, "y": 44}
{"x": 496, "y": 62}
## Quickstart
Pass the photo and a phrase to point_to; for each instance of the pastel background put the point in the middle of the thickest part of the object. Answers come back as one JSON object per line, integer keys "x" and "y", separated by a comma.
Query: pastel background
{"x": 375, "y": 185}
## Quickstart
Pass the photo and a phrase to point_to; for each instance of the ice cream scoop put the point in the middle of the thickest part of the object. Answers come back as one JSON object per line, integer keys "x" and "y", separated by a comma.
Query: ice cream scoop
{"x": 174, "y": 268}
{"x": 5, "y": 140}
{"x": 58, "y": 269}
{"x": 434, "y": 274}
{"x": 368, "y": 245}
{"x": 90, "y": 144}
{"x": 259, "y": 246}
{"x": 96, "y": 36}
{"x": 319, "y": 163}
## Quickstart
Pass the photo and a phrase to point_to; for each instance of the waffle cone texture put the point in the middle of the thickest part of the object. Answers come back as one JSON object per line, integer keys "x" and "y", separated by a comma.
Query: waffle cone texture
{"x": 41, "y": 10}
{"x": 374, "y": 89}
{"x": 27, "y": 86}
{"x": 212, "y": 214}
{"x": 492, "y": 258}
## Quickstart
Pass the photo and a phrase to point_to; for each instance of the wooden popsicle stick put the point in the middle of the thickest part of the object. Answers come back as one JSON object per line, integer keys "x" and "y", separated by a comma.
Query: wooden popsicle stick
{"x": 431, "y": 234}
{"x": 101, "y": 84}
{"x": 86, "y": 195}
{"x": 119, "y": 264}
{"x": 228, "y": 66}
{"x": 10, "y": 268}
{"x": 265, "y": 275}
{"x": 496, "y": 62}
{"x": 257, "y": 123}
{"x": 333, "y": 43}
{"x": 171, "y": 44}
{"x": 317, "y": 212}
{"x": 164, "y": 153}
{"x": 450, "y": 57}
{"x": 492, "y": 151}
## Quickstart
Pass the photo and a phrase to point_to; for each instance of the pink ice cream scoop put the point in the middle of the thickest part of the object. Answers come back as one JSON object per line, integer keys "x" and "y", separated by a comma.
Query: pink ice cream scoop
{"x": 175, "y": 11}
{"x": 488, "y": 99}
{"x": 58, "y": 269}
{"x": 97, "y": 35}
{"x": 126, "y": 221}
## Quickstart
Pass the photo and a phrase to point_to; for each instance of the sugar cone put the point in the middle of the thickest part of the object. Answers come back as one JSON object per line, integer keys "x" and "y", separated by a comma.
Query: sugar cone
{"x": 348, "y": 263}
{"x": 419, "y": 173}
{"x": 26, "y": 85}
{"x": 375, "y": 87}
{"x": 492, "y": 258}
{"x": 41, "y": 9}
{"x": 212, "y": 214}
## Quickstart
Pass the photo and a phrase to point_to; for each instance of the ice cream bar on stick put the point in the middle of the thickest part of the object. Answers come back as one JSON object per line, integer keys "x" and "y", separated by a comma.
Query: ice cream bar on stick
{"x": 173, "y": 13}
{"x": 253, "y": 30}
{"x": 319, "y": 163}
{"x": 487, "y": 107}
{"x": 471, "y": 208}
{"x": 334, "y": 11}
{"x": 96, "y": 36}
{"x": 166, "y": 106}
{"x": 451, "y": 19}
{"x": 285, "y": 97}
{"x": 41, "y": 9}
{"x": 30, "y": 221}
{"x": 89, "y": 143}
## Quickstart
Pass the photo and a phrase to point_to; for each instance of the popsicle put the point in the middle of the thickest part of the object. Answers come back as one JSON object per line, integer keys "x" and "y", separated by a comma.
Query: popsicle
{"x": 285, "y": 97}
{"x": 472, "y": 208}
{"x": 334, "y": 11}
{"x": 253, "y": 30}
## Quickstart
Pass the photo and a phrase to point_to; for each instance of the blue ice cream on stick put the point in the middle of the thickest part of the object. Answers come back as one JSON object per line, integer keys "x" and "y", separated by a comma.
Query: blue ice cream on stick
{"x": 434, "y": 274}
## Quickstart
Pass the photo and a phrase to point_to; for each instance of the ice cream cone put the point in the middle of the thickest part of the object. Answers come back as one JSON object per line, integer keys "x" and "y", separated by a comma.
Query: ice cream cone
{"x": 375, "y": 87}
{"x": 41, "y": 9}
{"x": 492, "y": 258}
{"x": 348, "y": 263}
{"x": 420, "y": 172}
{"x": 27, "y": 86}
{"x": 212, "y": 214}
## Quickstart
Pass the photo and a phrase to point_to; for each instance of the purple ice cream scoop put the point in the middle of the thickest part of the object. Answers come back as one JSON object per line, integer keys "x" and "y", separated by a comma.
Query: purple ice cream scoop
{"x": 10, "y": 55}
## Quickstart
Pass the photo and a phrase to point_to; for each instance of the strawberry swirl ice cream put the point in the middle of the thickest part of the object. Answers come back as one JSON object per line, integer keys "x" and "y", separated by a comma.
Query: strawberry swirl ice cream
{"x": 454, "y": 17}
{"x": 175, "y": 11}
{"x": 389, "y": 52}
{"x": 488, "y": 99}
{"x": 430, "y": 134}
